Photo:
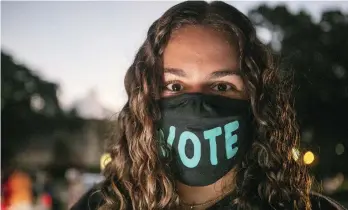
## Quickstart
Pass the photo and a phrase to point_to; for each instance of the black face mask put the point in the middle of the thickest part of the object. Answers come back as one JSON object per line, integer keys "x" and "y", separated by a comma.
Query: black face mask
{"x": 207, "y": 134}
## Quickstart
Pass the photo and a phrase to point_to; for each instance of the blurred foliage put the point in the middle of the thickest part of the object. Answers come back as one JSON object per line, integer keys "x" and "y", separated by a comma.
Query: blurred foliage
{"x": 316, "y": 54}
{"x": 29, "y": 106}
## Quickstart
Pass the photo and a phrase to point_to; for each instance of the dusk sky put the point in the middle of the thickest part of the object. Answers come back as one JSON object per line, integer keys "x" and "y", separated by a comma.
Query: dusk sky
{"x": 89, "y": 45}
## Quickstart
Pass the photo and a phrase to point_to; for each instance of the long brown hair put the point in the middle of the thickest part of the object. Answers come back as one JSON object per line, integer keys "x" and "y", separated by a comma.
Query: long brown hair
{"x": 268, "y": 176}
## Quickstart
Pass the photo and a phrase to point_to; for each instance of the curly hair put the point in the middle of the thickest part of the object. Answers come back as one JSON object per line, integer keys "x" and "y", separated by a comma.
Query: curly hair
{"x": 268, "y": 176}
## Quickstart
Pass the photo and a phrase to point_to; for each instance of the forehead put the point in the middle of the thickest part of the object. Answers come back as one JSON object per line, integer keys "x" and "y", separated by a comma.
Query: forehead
{"x": 200, "y": 48}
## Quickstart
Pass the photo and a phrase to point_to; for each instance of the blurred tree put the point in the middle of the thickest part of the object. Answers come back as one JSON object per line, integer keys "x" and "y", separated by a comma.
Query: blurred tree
{"x": 29, "y": 106}
{"x": 317, "y": 54}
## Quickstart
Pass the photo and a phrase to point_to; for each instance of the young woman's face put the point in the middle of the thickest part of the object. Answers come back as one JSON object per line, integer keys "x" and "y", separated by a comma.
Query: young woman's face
{"x": 199, "y": 59}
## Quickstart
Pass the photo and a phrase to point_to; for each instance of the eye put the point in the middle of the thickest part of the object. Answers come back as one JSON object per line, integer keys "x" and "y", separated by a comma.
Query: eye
{"x": 222, "y": 87}
{"x": 174, "y": 87}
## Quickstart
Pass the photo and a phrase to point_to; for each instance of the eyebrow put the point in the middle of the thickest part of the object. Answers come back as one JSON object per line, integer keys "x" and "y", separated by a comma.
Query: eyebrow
{"x": 176, "y": 72}
{"x": 214, "y": 75}
{"x": 224, "y": 73}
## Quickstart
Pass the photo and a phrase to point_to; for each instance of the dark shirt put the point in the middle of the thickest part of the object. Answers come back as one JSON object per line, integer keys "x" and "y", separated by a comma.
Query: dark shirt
{"x": 93, "y": 199}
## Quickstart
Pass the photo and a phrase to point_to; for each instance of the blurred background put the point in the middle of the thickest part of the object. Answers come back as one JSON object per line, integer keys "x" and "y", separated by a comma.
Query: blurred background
{"x": 62, "y": 69}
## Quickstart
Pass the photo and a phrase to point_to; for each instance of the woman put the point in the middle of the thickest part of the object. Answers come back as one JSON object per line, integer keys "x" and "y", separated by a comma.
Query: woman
{"x": 208, "y": 124}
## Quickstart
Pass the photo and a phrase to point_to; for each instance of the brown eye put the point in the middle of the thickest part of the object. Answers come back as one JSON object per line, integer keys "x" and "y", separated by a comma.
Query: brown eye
{"x": 222, "y": 87}
{"x": 175, "y": 87}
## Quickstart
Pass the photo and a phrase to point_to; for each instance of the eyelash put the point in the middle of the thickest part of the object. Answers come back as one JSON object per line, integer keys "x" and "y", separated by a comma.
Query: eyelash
{"x": 171, "y": 82}
{"x": 233, "y": 88}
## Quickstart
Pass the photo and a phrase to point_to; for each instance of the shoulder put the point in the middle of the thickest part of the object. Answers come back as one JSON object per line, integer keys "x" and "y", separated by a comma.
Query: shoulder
{"x": 91, "y": 200}
{"x": 322, "y": 202}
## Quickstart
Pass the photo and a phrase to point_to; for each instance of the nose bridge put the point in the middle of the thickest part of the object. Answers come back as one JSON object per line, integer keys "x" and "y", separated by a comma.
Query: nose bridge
{"x": 196, "y": 88}
{"x": 197, "y": 81}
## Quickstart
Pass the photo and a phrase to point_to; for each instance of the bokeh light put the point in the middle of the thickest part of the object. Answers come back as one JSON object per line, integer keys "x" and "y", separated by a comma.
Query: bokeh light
{"x": 104, "y": 160}
{"x": 339, "y": 149}
{"x": 308, "y": 157}
{"x": 295, "y": 153}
